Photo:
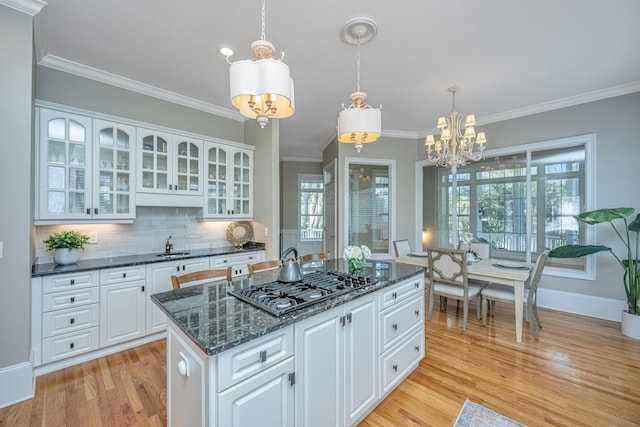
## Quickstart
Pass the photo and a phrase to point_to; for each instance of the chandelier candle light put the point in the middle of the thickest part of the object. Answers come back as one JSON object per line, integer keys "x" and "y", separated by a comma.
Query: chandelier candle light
{"x": 359, "y": 123}
{"x": 455, "y": 147}
{"x": 262, "y": 88}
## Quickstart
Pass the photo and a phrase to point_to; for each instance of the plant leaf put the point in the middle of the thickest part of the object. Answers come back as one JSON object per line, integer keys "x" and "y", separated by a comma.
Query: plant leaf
{"x": 635, "y": 225}
{"x": 604, "y": 215}
{"x": 576, "y": 251}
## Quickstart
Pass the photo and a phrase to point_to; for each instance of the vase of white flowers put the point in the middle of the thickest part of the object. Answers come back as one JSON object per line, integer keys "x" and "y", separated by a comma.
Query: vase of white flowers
{"x": 356, "y": 256}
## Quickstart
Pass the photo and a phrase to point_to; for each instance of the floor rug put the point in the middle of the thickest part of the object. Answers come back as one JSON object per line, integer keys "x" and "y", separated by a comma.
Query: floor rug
{"x": 474, "y": 415}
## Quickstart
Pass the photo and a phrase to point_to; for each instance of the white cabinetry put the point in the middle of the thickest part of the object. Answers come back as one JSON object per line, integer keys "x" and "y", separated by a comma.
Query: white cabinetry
{"x": 168, "y": 164}
{"x": 229, "y": 182}
{"x": 246, "y": 386}
{"x": 84, "y": 168}
{"x": 159, "y": 280}
{"x": 237, "y": 262}
{"x": 122, "y": 304}
{"x": 401, "y": 332}
{"x": 336, "y": 364}
{"x": 67, "y": 322}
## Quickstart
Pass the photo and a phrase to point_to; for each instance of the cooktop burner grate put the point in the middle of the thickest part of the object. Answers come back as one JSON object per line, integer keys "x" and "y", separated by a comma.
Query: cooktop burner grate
{"x": 280, "y": 297}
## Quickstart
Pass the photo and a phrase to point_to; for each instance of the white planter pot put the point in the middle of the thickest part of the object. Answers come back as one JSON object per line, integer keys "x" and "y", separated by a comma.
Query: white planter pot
{"x": 65, "y": 256}
{"x": 630, "y": 325}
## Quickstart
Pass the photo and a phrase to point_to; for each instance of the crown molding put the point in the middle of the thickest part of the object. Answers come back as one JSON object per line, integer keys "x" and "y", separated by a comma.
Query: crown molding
{"x": 557, "y": 104}
{"x": 301, "y": 159}
{"x": 404, "y": 134}
{"x": 61, "y": 64}
{"x": 30, "y": 7}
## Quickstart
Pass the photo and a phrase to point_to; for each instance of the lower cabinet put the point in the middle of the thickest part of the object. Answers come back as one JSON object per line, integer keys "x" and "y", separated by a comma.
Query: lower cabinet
{"x": 122, "y": 312}
{"x": 336, "y": 364}
{"x": 159, "y": 280}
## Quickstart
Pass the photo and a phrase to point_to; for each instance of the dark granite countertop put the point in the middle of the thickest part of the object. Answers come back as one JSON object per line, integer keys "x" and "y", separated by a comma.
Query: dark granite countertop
{"x": 123, "y": 261}
{"x": 216, "y": 321}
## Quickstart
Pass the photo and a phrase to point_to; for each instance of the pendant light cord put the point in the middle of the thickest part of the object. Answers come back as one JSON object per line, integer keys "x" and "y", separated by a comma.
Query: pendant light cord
{"x": 358, "y": 66}
{"x": 263, "y": 20}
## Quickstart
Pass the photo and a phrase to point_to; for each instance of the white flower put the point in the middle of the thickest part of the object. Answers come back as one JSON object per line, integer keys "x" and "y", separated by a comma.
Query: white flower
{"x": 366, "y": 252}
{"x": 352, "y": 252}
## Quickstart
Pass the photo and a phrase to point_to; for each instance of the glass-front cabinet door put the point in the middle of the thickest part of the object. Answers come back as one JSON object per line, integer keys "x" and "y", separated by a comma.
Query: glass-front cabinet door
{"x": 242, "y": 179}
{"x": 65, "y": 161}
{"x": 168, "y": 164}
{"x": 229, "y": 182}
{"x": 216, "y": 172}
{"x": 113, "y": 163}
{"x": 153, "y": 161}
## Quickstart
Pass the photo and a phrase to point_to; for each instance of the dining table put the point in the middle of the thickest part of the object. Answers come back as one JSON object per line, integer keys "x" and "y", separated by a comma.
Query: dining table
{"x": 491, "y": 270}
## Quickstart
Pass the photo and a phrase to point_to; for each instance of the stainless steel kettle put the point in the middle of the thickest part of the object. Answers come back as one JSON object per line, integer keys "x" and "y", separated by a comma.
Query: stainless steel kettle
{"x": 291, "y": 271}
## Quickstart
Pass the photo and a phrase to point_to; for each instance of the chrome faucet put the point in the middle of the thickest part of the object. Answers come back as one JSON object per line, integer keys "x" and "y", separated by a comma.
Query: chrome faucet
{"x": 168, "y": 247}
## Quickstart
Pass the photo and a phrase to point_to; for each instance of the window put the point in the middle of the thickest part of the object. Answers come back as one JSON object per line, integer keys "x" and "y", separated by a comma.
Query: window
{"x": 522, "y": 202}
{"x": 370, "y": 204}
{"x": 311, "y": 191}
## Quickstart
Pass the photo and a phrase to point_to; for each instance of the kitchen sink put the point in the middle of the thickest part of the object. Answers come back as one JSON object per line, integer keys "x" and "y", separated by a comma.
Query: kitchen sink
{"x": 173, "y": 254}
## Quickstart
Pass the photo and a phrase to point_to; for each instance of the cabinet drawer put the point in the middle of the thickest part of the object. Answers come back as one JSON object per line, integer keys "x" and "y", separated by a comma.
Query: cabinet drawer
{"x": 69, "y": 320}
{"x": 119, "y": 275}
{"x": 67, "y": 345}
{"x": 75, "y": 298}
{"x": 398, "y": 363}
{"x": 68, "y": 282}
{"x": 396, "y": 322}
{"x": 397, "y": 293}
{"x": 240, "y": 259}
{"x": 241, "y": 362}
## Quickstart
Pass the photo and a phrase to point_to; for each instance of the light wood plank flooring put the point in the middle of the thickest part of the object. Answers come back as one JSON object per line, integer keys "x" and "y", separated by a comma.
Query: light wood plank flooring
{"x": 582, "y": 372}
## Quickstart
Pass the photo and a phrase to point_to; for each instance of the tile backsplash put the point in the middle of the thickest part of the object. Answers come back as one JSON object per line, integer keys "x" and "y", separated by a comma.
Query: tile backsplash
{"x": 148, "y": 234}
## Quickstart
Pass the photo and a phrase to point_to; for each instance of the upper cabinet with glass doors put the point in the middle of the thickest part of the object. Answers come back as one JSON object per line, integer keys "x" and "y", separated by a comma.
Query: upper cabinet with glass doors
{"x": 229, "y": 182}
{"x": 84, "y": 168}
{"x": 169, "y": 164}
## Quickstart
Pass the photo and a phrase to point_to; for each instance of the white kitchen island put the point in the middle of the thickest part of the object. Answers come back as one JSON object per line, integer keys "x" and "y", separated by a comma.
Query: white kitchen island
{"x": 232, "y": 364}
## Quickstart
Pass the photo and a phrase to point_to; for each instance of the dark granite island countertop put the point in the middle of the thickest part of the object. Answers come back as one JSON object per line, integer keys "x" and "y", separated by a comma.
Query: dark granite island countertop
{"x": 216, "y": 321}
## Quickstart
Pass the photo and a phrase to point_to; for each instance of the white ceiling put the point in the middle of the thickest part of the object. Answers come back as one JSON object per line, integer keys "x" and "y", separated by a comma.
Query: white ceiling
{"x": 510, "y": 57}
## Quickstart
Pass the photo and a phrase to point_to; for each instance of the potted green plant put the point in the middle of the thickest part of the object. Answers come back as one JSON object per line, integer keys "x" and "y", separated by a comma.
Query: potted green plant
{"x": 629, "y": 262}
{"x": 65, "y": 245}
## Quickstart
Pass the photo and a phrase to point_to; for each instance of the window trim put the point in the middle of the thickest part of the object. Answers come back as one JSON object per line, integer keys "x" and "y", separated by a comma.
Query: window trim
{"x": 391, "y": 164}
{"x": 309, "y": 177}
{"x": 589, "y": 143}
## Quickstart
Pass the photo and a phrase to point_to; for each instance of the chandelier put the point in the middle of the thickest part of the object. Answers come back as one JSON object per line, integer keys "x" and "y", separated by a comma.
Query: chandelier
{"x": 359, "y": 123}
{"x": 455, "y": 147}
{"x": 262, "y": 87}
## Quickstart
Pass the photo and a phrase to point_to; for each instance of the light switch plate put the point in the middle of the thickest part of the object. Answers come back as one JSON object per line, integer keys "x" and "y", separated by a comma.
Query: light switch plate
{"x": 93, "y": 237}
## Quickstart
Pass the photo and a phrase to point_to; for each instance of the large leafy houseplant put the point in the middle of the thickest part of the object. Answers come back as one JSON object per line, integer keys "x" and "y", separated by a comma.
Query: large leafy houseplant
{"x": 68, "y": 239}
{"x": 628, "y": 262}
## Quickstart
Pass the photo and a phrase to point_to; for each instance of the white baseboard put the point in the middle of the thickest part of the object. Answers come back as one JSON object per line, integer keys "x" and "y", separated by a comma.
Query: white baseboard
{"x": 586, "y": 305}
{"x": 17, "y": 383}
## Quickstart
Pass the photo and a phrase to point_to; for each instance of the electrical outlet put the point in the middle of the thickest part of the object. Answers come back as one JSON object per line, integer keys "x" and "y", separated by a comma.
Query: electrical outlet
{"x": 266, "y": 232}
{"x": 93, "y": 237}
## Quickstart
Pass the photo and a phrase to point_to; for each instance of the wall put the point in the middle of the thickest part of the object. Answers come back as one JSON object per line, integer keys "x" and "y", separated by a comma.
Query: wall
{"x": 266, "y": 179}
{"x": 68, "y": 89}
{"x": 289, "y": 205}
{"x": 147, "y": 234}
{"x": 614, "y": 121}
{"x": 16, "y": 146}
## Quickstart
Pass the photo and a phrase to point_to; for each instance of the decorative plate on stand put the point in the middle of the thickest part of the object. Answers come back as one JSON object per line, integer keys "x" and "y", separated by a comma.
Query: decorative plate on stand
{"x": 239, "y": 233}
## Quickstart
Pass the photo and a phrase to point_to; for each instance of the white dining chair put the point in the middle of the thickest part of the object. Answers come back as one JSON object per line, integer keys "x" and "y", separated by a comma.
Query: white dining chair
{"x": 448, "y": 274}
{"x": 401, "y": 247}
{"x": 503, "y": 293}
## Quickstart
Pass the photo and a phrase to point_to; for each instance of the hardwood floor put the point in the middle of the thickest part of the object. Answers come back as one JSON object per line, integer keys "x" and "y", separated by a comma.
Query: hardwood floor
{"x": 581, "y": 372}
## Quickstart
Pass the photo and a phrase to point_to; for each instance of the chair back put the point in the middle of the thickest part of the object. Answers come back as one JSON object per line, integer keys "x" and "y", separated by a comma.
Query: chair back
{"x": 264, "y": 265}
{"x": 536, "y": 274}
{"x": 314, "y": 257}
{"x": 448, "y": 266}
{"x": 401, "y": 247}
{"x": 199, "y": 276}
